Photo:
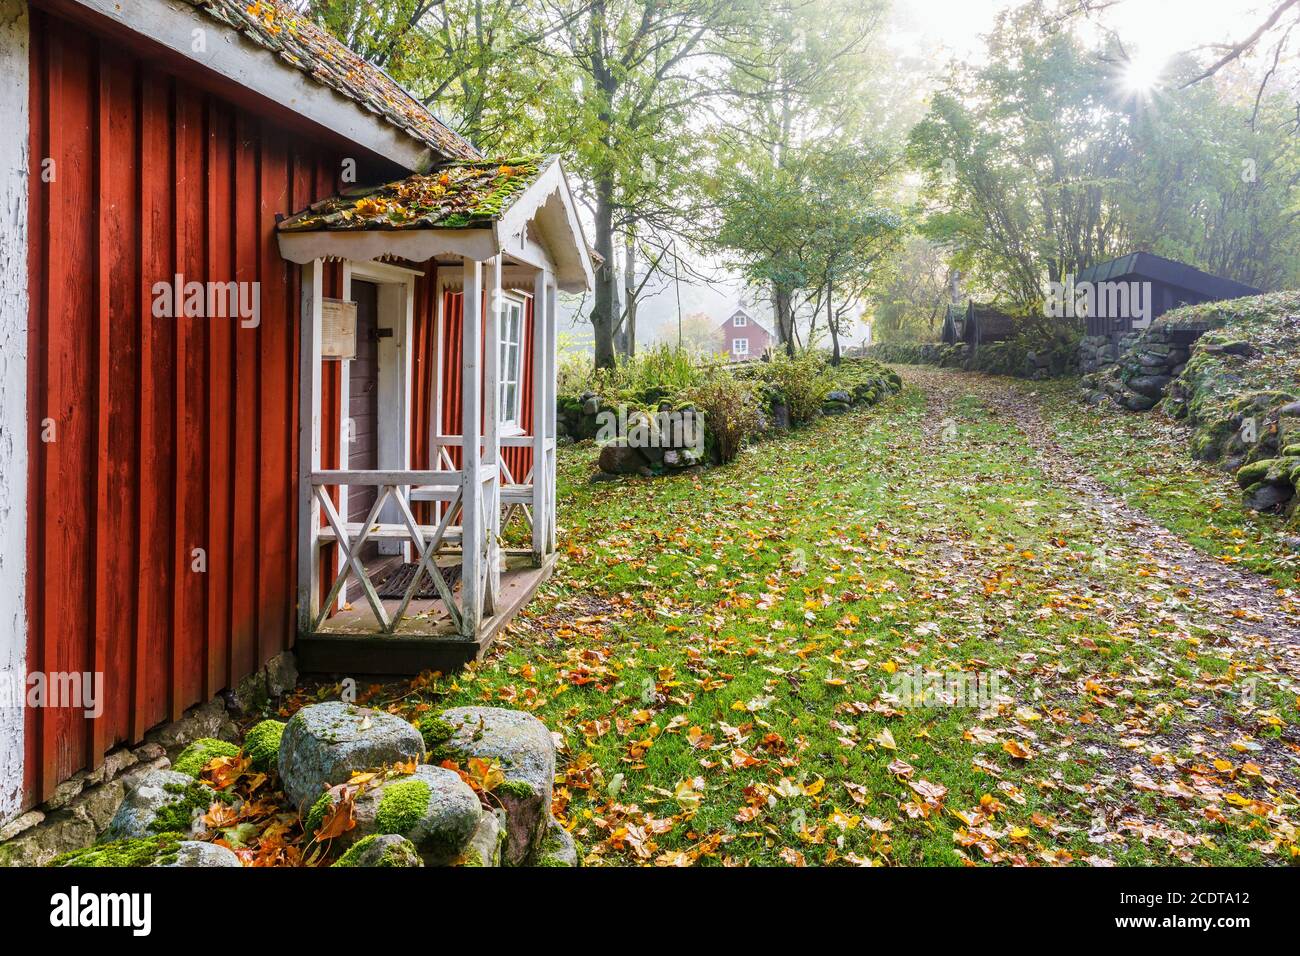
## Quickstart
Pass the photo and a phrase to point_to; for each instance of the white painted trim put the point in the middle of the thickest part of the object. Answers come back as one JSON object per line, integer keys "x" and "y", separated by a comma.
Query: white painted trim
{"x": 541, "y": 372}
{"x": 14, "y": 169}
{"x": 471, "y": 583}
{"x": 345, "y": 441}
{"x": 309, "y": 443}
{"x": 492, "y": 428}
{"x": 549, "y": 203}
{"x": 234, "y": 57}
{"x": 551, "y": 390}
{"x": 414, "y": 245}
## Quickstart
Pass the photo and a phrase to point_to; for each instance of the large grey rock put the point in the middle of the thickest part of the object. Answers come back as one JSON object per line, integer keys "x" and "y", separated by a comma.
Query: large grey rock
{"x": 381, "y": 850}
{"x": 60, "y": 832}
{"x": 617, "y": 458}
{"x": 161, "y": 801}
{"x": 324, "y": 743}
{"x": 433, "y": 808}
{"x": 196, "y": 853}
{"x": 1152, "y": 386}
{"x": 1266, "y": 497}
{"x": 522, "y": 746}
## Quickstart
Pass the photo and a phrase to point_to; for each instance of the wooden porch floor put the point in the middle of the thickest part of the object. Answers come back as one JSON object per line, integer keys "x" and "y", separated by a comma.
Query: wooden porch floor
{"x": 350, "y": 642}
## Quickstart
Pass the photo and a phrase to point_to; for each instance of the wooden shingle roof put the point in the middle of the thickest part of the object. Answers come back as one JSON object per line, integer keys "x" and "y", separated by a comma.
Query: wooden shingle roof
{"x": 277, "y": 27}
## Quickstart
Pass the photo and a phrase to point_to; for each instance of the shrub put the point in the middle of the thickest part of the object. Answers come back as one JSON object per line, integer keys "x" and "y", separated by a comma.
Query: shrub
{"x": 731, "y": 413}
{"x": 802, "y": 383}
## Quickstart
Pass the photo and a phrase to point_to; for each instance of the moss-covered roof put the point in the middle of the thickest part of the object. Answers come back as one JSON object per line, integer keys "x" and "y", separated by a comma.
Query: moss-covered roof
{"x": 457, "y": 195}
{"x": 277, "y": 27}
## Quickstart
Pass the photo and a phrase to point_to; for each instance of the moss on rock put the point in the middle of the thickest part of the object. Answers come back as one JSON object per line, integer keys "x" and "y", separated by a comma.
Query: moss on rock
{"x": 158, "y": 850}
{"x": 316, "y": 815}
{"x": 262, "y": 744}
{"x": 200, "y": 753}
{"x": 1254, "y": 472}
{"x": 178, "y": 816}
{"x": 402, "y": 806}
{"x": 435, "y": 731}
{"x": 380, "y": 850}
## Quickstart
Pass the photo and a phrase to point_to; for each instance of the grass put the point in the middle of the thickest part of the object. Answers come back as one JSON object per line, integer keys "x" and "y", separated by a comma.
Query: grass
{"x": 1145, "y": 460}
{"x": 719, "y": 655}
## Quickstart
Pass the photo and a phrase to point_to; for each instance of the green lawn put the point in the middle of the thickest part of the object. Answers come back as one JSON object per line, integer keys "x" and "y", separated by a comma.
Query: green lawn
{"x": 719, "y": 655}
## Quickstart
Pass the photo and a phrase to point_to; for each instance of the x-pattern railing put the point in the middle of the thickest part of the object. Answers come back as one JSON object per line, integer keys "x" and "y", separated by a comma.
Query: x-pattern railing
{"x": 350, "y": 549}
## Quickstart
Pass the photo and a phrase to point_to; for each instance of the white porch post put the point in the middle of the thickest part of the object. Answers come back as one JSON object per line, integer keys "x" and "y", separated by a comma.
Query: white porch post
{"x": 549, "y": 418}
{"x": 492, "y": 431}
{"x": 309, "y": 443}
{"x": 541, "y": 377}
{"x": 471, "y": 372}
{"x": 14, "y": 69}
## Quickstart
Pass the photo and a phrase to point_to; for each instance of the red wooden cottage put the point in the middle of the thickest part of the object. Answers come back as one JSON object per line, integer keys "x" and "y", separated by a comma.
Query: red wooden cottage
{"x": 742, "y": 338}
{"x": 234, "y": 384}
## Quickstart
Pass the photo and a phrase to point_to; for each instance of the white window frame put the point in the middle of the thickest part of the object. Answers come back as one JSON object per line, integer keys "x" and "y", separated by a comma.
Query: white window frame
{"x": 508, "y": 416}
{"x": 740, "y": 342}
{"x": 739, "y": 320}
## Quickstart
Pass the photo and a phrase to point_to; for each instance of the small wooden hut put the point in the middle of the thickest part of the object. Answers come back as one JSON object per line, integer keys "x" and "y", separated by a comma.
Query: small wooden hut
{"x": 1168, "y": 283}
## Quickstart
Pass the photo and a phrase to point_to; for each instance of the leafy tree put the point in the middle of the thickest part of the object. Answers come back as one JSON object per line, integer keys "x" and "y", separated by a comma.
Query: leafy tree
{"x": 643, "y": 70}
{"x": 812, "y": 224}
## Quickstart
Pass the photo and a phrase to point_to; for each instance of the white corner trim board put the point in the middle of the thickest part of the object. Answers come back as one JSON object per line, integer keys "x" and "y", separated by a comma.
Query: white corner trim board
{"x": 14, "y": 166}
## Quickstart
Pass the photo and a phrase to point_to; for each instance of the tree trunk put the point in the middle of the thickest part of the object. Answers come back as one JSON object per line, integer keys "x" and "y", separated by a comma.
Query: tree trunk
{"x": 784, "y": 318}
{"x": 830, "y": 324}
{"x": 629, "y": 294}
{"x": 605, "y": 295}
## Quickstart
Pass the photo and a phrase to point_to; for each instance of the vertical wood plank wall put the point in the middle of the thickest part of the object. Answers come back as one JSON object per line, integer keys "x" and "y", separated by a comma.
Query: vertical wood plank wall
{"x": 168, "y": 434}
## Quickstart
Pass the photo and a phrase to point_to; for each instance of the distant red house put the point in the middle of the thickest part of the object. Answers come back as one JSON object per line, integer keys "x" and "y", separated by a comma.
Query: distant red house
{"x": 741, "y": 337}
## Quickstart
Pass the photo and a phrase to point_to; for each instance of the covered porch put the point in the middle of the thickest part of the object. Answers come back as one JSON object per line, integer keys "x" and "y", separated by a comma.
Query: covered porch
{"x": 402, "y": 568}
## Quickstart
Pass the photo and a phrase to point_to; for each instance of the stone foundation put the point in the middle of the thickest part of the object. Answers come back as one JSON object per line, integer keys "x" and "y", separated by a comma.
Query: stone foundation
{"x": 83, "y": 805}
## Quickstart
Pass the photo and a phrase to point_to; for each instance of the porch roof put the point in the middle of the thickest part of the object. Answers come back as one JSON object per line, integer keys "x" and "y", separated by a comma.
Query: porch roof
{"x": 478, "y": 209}
{"x": 453, "y": 195}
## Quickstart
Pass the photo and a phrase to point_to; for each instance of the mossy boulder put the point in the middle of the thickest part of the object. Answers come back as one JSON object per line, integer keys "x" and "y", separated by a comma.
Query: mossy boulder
{"x": 433, "y": 808}
{"x": 489, "y": 839}
{"x": 1263, "y": 496}
{"x": 262, "y": 745}
{"x": 160, "y": 801}
{"x": 381, "y": 850}
{"x": 200, "y": 753}
{"x": 522, "y": 747}
{"x": 165, "y": 849}
{"x": 324, "y": 744}
{"x": 1273, "y": 471}
{"x": 558, "y": 849}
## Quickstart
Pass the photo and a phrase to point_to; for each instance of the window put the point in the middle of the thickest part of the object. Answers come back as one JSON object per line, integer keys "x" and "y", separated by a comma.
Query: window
{"x": 510, "y": 369}
{"x": 739, "y": 320}
{"x": 740, "y": 346}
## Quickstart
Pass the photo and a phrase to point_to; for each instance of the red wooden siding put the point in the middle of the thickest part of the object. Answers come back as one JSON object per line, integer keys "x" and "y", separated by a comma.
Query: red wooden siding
{"x": 170, "y": 434}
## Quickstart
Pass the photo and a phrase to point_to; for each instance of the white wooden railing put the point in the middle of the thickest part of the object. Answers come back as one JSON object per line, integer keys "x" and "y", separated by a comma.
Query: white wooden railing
{"x": 479, "y": 572}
